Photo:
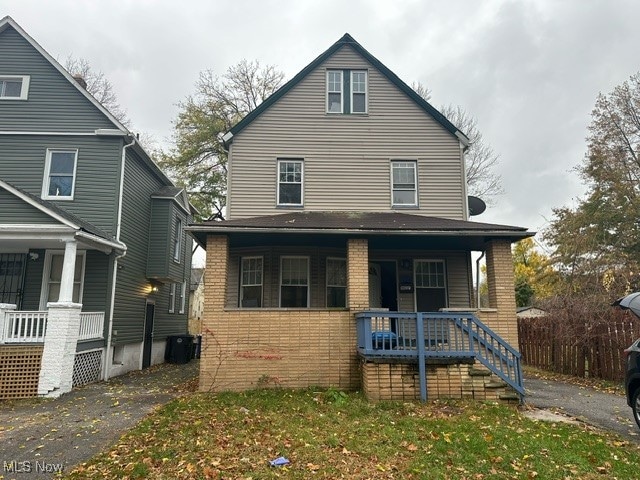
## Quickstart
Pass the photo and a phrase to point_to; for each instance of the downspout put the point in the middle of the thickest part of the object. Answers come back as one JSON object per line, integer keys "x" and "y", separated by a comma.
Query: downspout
{"x": 115, "y": 262}
{"x": 478, "y": 279}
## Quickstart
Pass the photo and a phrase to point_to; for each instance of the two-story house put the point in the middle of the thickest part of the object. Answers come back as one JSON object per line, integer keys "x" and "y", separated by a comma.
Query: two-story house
{"x": 94, "y": 258}
{"x": 346, "y": 258}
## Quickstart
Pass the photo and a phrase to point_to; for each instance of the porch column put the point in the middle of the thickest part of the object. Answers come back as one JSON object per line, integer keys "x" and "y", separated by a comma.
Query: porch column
{"x": 358, "y": 273}
{"x": 215, "y": 294}
{"x": 500, "y": 282}
{"x": 68, "y": 271}
{"x": 61, "y": 338}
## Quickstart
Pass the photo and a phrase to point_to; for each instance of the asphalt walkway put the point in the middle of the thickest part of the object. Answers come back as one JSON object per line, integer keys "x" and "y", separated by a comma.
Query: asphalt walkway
{"x": 607, "y": 411}
{"x": 48, "y": 435}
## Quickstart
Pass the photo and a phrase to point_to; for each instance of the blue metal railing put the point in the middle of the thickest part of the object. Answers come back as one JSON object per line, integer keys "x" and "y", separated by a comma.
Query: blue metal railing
{"x": 422, "y": 335}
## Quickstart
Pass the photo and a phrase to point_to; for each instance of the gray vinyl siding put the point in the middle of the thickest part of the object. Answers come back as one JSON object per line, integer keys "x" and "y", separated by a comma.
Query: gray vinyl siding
{"x": 159, "y": 238}
{"x": 95, "y": 293}
{"x": 346, "y": 157}
{"x": 49, "y": 93}
{"x": 16, "y": 211}
{"x": 456, "y": 263}
{"x": 33, "y": 281}
{"x": 133, "y": 287}
{"x": 22, "y": 163}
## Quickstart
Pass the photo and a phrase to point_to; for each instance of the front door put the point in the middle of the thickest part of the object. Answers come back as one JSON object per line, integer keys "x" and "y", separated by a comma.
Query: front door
{"x": 12, "y": 268}
{"x": 383, "y": 285}
{"x": 148, "y": 335}
{"x": 430, "y": 285}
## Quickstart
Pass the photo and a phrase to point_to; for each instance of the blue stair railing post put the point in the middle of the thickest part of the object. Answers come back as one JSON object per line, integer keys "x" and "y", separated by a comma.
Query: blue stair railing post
{"x": 422, "y": 369}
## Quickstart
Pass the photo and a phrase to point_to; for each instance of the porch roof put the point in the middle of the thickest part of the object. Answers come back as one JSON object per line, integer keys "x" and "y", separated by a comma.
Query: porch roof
{"x": 84, "y": 231}
{"x": 441, "y": 232}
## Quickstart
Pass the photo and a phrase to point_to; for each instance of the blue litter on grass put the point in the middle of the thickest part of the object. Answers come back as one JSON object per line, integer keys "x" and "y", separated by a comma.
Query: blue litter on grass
{"x": 279, "y": 462}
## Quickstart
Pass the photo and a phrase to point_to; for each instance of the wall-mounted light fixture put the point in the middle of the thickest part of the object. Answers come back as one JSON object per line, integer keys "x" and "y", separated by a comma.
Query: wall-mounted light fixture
{"x": 153, "y": 287}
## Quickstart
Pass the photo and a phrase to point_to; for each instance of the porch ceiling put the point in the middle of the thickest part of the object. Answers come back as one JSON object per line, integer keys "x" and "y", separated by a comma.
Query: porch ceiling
{"x": 384, "y": 230}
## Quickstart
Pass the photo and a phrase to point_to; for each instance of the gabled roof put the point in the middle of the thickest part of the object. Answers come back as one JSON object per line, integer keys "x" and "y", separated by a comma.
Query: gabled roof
{"x": 178, "y": 195}
{"x": 392, "y": 77}
{"x": 10, "y": 22}
{"x": 62, "y": 216}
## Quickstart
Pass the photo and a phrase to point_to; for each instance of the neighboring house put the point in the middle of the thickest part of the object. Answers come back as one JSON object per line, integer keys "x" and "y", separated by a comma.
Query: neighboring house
{"x": 196, "y": 301}
{"x": 94, "y": 259}
{"x": 531, "y": 312}
{"x": 345, "y": 260}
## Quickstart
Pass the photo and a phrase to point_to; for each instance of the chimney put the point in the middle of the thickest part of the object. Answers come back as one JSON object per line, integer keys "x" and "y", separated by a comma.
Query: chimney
{"x": 81, "y": 81}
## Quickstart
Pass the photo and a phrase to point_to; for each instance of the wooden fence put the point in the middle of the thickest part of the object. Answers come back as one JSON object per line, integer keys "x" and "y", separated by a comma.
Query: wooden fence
{"x": 579, "y": 348}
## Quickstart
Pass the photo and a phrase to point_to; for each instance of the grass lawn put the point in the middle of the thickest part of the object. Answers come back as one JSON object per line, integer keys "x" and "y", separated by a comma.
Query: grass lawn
{"x": 331, "y": 434}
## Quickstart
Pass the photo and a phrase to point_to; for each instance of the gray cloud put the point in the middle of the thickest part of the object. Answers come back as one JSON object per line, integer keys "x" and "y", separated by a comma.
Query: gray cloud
{"x": 529, "y": 71}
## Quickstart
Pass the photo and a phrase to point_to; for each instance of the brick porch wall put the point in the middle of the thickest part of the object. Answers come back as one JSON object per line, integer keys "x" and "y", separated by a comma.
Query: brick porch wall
{"x": 293, "y": 348}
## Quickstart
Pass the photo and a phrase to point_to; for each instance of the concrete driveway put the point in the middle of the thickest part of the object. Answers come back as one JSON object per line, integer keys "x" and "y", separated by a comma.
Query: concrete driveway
{"x": 38, "y": 437}
{"x": 603, "y": 410}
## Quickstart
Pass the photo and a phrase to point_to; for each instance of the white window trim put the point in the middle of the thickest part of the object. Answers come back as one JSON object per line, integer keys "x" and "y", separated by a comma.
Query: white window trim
{"x": 183, "y": 297}
{"x": 24, "y": 91}
{"x": 327, "y": 285}
{"x": 172, "y": 298}
{"x": 308, "y": 280}
{"x": 415, "y": 277}
{"x": 177, "y": 241}
{"x": 366, "y": 92}
{"x": 290, "y": 160}
{"x": 326, "y": 100}
{"x": 415, "y": 189}
{"x": 46, "y": 272}
{"x": 47, "y": 174}
{"x": 261, "y": 285}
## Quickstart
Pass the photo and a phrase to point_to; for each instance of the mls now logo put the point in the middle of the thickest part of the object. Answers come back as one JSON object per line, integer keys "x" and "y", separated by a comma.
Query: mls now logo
{"x": 28, "y": 467}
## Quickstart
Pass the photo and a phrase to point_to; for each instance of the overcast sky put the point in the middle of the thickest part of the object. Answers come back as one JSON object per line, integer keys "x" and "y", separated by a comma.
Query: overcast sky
{"x": 529, "y": 71}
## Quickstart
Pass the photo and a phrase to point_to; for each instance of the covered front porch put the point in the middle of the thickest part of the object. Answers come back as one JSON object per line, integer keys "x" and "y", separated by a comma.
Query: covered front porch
{"x": 55, "y": 274}
{"x": 296, "y": 308}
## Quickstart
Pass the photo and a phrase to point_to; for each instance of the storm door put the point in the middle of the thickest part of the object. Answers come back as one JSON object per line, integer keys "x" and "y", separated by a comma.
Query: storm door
{"x": 12, "y": 268}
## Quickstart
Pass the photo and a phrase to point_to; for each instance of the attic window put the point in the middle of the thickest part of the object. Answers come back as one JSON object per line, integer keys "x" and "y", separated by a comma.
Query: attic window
{"x": 347, "y": 91}
{"x": 14, "y": 87}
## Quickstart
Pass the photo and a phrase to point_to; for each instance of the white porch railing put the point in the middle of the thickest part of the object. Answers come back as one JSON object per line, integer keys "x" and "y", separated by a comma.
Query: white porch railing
{"x": 30, "y": 327}
{"x": 91, "y": 326}
{"x": 24, "y": 327}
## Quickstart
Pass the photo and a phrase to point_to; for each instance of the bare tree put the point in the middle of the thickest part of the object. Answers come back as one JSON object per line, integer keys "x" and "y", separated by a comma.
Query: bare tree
{"x": 99, "y": 86}
{"x": 480, "y": 160}
{"x": 199, "y": 160}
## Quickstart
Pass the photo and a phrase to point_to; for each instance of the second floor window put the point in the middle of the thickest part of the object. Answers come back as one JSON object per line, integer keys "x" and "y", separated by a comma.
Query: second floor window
{"x": 290, "y": 175}
{"x": 177, "y": 241}
{"x": 14, "y": 87}
{"x": 403, "y": 184}
{"x": 59, "y": 174}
